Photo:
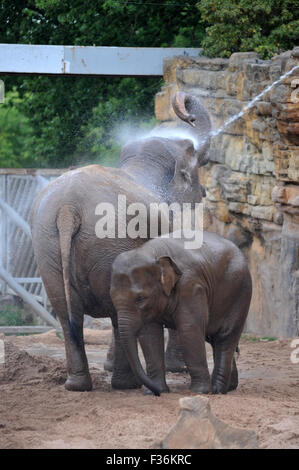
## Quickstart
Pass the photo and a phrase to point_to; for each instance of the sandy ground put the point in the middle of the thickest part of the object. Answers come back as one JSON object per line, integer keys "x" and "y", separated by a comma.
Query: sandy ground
{"x": 37, "y": 412}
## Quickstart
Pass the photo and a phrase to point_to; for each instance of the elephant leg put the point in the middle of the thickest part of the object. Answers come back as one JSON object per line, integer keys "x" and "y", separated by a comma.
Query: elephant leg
{"x": 78, "y": 377}
{"x": 174, "y": 356}
{"x": 151, "y": 341}
{"x": 108, "y": 364}
{"x": 223, "y": 353}
{"x": 225, "y": 373}
{"x": 123, "y": 377}
{"x": 234, "y": 380}
{"x": 191, "y": 328}
{"x": 196, "y": 361}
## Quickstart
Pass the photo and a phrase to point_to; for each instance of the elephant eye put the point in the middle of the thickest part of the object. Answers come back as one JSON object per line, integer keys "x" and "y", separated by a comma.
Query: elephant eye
{"x": 140, "y": 300}
{"x": 186, "y": 175}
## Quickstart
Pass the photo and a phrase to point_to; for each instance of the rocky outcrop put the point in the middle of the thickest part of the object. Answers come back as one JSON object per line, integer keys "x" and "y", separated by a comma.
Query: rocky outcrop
{"x": 252, "y": 178}
{"x": 198, "y": 428}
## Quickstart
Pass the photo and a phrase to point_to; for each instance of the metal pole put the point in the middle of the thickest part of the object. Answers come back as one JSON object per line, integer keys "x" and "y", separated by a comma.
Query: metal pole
{"x": 39, "y": 310}
{"x": 4, "y": 233}
{"x": 88, "y": 60}
{"x": 15, "y": 217}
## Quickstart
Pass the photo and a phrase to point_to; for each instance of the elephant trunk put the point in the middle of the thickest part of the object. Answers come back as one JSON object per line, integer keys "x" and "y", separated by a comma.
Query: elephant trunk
{"x": 128, "y": 337}
{"x": 189, "y": 109}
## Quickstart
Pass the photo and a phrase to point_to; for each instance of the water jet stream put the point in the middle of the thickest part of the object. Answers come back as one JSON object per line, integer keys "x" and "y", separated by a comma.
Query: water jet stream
{"x": 252, "y": 103}
{"x": 186, "y": 134}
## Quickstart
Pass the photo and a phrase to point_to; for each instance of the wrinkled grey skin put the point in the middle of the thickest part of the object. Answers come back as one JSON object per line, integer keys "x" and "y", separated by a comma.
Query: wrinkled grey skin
{"x": 74, "y": 264}
{"x": 204, "y": 293}
{"x": 174, "y": 361}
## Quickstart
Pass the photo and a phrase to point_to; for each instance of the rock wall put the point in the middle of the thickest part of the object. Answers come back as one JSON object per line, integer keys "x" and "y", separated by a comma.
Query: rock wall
{"x": 253, "y": 174}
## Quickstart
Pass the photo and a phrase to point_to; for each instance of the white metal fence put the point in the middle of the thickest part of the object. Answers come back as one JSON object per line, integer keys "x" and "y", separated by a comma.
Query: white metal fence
{"x": 19, "y": 271}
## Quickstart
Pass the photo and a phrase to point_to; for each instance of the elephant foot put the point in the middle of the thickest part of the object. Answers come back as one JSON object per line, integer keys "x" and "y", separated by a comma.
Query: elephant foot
{"x": 108, "y": 365}
{"x": 124, "y": 382}
{"x": 234, "y": 379}
{"x": 78, "y": 383}
{"x": 219, "y": 387}
{"x": 160, "y": 383}
{"x": 201, "y": 388}
{"x": 164, "y": 389}
{"x": 233, "y": 385}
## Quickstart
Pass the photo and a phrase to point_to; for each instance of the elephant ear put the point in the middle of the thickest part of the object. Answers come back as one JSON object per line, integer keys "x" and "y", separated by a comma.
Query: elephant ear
{"x": 185, "y": 186}
{"x": 170, "y": 274}
{"x": 129, "y": 151}
{"x": 186, "y": 163}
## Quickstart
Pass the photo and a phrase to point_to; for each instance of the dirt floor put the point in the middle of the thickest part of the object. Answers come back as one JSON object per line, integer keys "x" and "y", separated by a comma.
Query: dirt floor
{"x": 37, "y": 412}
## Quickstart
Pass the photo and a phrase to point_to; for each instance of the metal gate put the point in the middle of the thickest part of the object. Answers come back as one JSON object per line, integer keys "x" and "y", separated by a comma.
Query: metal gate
{"x": 18, "y": 189}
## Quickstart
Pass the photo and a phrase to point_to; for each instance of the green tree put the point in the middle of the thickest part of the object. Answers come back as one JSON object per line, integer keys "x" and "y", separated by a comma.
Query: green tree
{"x": 16, "y": 134}
{"x": 264, "y": 26}
{"x": 72, "y": 117}
{"x": 101, "y": 141}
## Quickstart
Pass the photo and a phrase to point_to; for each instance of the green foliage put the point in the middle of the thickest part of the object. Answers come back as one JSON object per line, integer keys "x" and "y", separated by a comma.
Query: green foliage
{"x": 101, "y": 141}
{"x": 264, "y": 26}
{"x": 11, "y": 316}
{"x": 57, "y": 107}
{"x": 16, "y": 134}
{"x": 268, "y": 338}
{"x": 72, "y": 118}
{"x": 257, "y": 339}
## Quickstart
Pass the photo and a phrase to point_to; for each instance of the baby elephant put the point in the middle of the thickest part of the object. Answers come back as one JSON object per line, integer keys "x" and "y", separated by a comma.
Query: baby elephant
{"x": 204, "y": 293}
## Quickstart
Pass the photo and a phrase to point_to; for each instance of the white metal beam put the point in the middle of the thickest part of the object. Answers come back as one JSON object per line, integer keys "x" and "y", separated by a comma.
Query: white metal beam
{"x": 17, "y": 219}
{"x": 21, "y": 330}
{"x": 87, "y": 60}
{"x": 27, "y": 297}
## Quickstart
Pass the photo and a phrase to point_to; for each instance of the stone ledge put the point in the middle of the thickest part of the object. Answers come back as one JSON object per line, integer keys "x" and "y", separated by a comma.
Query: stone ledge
{"x": 198, "y": 428}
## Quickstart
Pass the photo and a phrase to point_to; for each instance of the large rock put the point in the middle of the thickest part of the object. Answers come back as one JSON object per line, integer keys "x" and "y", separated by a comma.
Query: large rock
{"x": 198, "y": 428}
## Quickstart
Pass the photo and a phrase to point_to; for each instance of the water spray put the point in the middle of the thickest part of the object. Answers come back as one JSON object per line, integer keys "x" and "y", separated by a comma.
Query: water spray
{"x": 176, "y": 133}
{"x": 252, "y": 102}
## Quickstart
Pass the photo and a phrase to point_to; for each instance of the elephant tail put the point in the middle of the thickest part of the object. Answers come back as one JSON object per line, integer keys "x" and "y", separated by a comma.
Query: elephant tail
{"x": 68, "y": 223}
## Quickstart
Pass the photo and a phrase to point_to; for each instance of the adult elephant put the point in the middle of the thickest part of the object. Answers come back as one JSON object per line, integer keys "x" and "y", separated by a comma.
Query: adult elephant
{"x": 75, "y": 265}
